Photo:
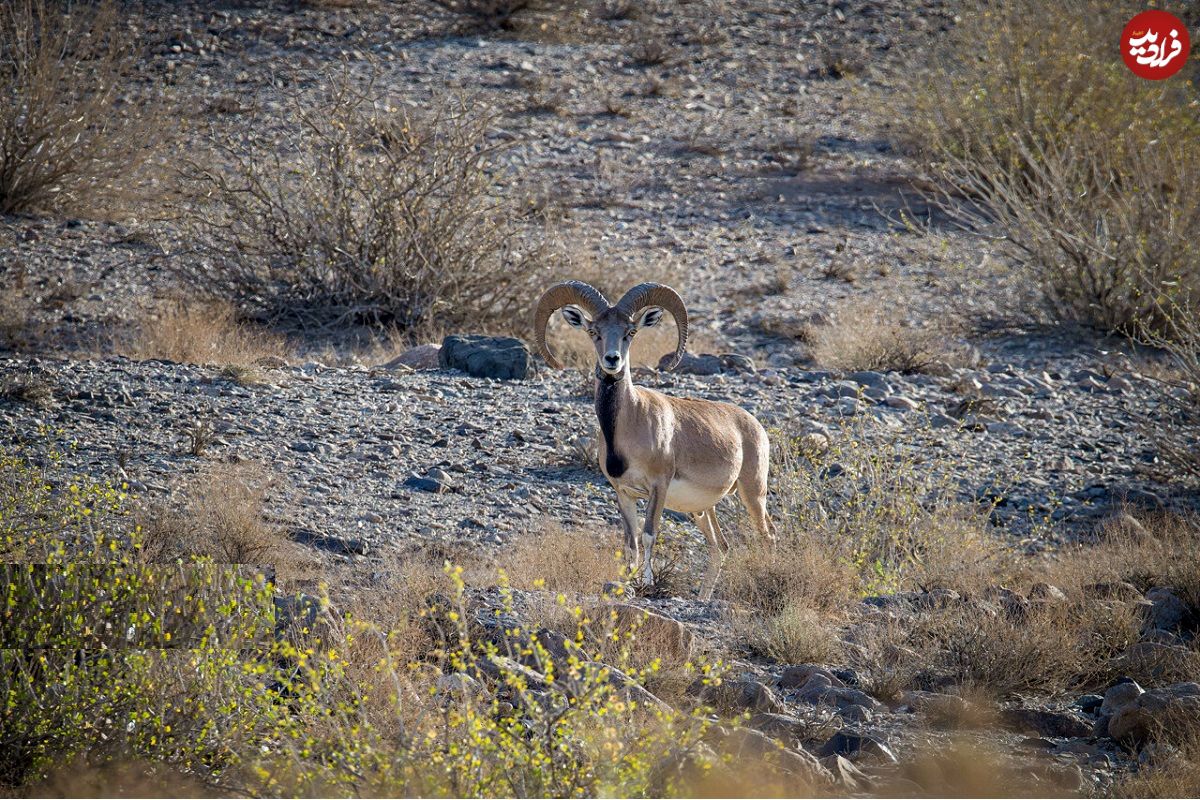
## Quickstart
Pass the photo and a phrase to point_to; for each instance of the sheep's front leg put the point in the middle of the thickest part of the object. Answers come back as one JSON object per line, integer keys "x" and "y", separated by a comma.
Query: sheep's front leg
{"x": 654, "y": 509}
{"x": 629, "y": 522}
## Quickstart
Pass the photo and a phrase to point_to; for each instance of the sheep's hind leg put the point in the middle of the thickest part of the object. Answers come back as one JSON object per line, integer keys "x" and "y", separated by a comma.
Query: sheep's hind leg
{"x": 718, "y": 549}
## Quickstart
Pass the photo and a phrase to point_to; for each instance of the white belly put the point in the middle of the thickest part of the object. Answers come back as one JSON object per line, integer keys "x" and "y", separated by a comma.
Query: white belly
{"x": 688, "y": 498}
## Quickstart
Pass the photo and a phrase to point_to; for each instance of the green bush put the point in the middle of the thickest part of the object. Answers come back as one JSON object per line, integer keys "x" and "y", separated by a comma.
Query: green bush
{"x": 117, "y": 660}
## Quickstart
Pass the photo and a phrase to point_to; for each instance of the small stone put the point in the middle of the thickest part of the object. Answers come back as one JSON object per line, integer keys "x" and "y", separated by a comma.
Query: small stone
{"x": 857, "y": 747}
{"x": 901, "y": 402}
{"x": 424, "y": 485}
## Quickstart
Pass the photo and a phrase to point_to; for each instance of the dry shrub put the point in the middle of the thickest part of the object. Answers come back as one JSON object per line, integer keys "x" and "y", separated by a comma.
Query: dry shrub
{"x": 1046, "y": 650}
{"x": 970, "y": 767}
{"x": 795, "y": 635}
{"x": 864, "y": 336}
{"x": 1169, "y": 772}
{"x": 487, "y": 14}
{"x": 1076, "y": 165}
{"x": 1147, "y": 556}
{"x": 363, "y": 212}
{"x": 564, "y": 561}
{"x": 1179, "y": 439}
{"x": 221, "y": 517}
{"x": 69, "y": 136}
{"x": 884, "y": 511}
{"x": 203, "y": 333}
{"x": 796, "y": 574}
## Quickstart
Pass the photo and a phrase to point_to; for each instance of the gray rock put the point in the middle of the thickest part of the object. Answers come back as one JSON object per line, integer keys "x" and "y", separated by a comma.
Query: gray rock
{"x": 425, "y": 484}
{"x": 693, "y": 364}
{"x": 423, "y": 356}
{"x": 901, "y": 402}
{"x": 1164, "y": 713}
{"x": 1046, "y": 722}
{"x": 819, "y": 690}
{"x": 735, "y": 362}
{"x": 736, "y": 696}
{"x": 797, "y": 675}
{"x": 875, "y": 380}
{"x": 500, "y": 357}
{"x": 1167, "y": 612}
{"x": 857, "y": 747}
{"x": 778, "y": 726}
{"x": 1119, "y": 695}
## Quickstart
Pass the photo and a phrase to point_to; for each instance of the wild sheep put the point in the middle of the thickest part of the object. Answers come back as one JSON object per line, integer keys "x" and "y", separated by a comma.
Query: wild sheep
{"x": 675, "y": 452}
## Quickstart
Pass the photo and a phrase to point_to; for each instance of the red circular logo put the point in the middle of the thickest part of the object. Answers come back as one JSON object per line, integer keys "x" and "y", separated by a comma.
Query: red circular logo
{"x": 1155, "y": 45}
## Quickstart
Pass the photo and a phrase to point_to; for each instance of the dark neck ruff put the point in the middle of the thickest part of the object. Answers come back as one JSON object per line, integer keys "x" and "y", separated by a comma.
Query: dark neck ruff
{"x": 608, "y": 396}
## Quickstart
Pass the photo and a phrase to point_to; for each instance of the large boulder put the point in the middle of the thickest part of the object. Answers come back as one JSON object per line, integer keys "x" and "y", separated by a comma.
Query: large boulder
{"x": 1046, "y": 722}
{"x": 500, "y": 357}
{"x": 1163, "y": 713}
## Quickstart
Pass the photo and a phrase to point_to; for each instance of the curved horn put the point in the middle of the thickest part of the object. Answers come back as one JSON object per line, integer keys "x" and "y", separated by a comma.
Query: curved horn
{"x": 656, "y": 294}
{"x": 554, "y": 298}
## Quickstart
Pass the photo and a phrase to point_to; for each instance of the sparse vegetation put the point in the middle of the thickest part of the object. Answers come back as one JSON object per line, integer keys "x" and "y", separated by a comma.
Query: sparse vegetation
{"x": 191, "y": 332}
{"x": 70, "y": 136}
{"x": 863, "y": 336}
{"x": 311, "y": 709}
{"x": 1073, "y": 162}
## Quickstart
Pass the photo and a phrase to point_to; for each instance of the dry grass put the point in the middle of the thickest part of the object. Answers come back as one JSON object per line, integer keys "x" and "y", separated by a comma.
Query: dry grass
{"x": 559, "y": 560}
{"x": 863, "y": 336}
{"x": 794, "y": 575}
{"x": 190, "y": 332}
{"x": 985, "y": 640}
{"x": 221, "y": 517}
{"x": 795, "y": 635}
{"x": 364, "y": 212}
{"x": 16, "y": 312}
{"x": 69, "y": 136}
{"x": 1175, "y": 772}
{"x": 1070, "y": 160}
{"x": 1045, "y": 650}
{"x": 1146, "y": 558}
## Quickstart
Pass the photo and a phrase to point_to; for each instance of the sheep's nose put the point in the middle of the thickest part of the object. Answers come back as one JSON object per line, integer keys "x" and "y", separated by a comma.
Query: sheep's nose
{"x": 612, "y": 359}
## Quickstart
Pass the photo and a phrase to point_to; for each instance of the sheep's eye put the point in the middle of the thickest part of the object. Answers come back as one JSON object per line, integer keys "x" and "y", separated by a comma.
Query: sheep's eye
{"x": 630, "y": 334}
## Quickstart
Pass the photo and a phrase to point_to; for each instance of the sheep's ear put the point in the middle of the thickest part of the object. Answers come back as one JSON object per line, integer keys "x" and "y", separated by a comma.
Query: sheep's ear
{"x": 650, "y": 317}
{"x": 575, "y": 316}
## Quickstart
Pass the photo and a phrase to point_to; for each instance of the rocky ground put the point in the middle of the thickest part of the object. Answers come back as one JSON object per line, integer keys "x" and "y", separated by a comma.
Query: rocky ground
{"x": 750, "y": 158}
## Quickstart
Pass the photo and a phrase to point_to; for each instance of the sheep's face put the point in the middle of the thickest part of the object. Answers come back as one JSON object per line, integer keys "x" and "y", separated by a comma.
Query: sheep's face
{"x": 612, "y": 333}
